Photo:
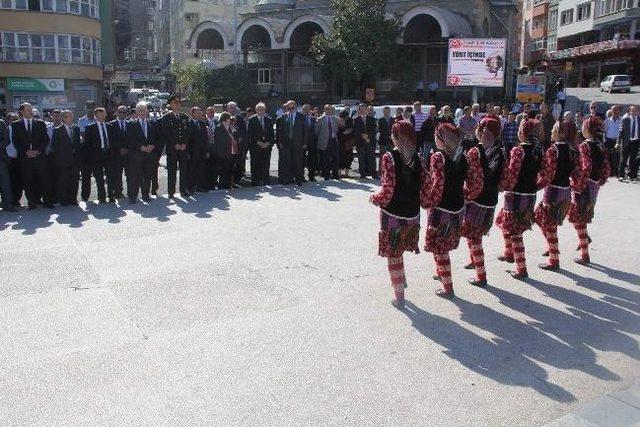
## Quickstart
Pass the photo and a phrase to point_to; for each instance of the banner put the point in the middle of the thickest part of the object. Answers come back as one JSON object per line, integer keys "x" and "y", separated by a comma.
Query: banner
{"x": 476, "y": 62}
{"x": 19, "y": 84}
{"x": 531, "y": 89}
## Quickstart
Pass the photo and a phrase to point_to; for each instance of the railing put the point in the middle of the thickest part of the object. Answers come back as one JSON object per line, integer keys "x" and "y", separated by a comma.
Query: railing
{"x": 593, "y": 48}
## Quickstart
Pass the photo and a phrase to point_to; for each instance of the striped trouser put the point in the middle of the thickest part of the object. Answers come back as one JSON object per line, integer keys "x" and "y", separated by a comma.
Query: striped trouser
{"x": 508, "y": 245}
{"x": 518, "y": 253}
{"x": 583, "y": 239}
{"x": 443, "y": 267}
{"x": 551, "y": 234}
{"x": 396, "y": 273}
{"x": 477, "y": 257}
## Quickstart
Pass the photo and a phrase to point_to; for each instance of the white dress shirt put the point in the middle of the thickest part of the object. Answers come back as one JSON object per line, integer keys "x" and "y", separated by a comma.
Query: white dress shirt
{"x": 612, "y": 127}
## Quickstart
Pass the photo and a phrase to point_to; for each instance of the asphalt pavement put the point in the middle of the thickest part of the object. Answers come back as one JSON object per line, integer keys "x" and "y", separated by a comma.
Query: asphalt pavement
{"x": 269, "y": 306}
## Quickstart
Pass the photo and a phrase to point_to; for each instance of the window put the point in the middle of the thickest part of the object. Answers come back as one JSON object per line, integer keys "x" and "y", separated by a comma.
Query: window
{"x": 605, "y": 7}
{"x": 56, "y": 48}
{"x": 13, "y": 4}
{"x": 552, "y": 43}
{"x": 264, "y": 76}
{"x": 77, "y": 7}
{"x": 566, "y": 17}
{"x": 128, "y": 54}
{"x": 553, "y": 19}
{"x": 537, "y": 44}
{"x": 583, "y": 11}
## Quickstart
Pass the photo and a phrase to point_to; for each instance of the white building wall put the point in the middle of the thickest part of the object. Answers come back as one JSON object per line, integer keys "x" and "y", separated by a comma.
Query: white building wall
{"x": 576, "y": 27}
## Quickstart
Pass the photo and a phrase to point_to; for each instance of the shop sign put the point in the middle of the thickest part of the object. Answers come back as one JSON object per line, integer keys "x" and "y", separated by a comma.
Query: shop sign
{"x": 476, "y": 62}
{"x": 19, "y": 84}
{"x": 531, "y": 89}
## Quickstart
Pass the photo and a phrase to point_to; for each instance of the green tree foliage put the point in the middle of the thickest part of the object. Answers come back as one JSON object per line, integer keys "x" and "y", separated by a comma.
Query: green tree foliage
{"x": 362, "y": 45}
{"x": 204, "y": 84}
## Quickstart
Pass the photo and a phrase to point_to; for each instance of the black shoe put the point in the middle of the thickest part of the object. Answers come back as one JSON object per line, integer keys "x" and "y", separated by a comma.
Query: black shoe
{"x": 376, "y": 176}
{"x": 363, "y": 176}
{"x": 519, "y": 275}
{"x": 154, "y": 192}
{"x": 312, "y": 179}
{"x": 436, "y": 278}
{"x": 172, "y": 196}
{"x": 503, "y": 258}
{"x": 549, "y": 267}
{"x": 10, "y": 209}
{"x": 102, "y": 201}
{"x": 48, "y": 205}
{"x": 478, "y": 283}
{"x": 112, "y": 200}
{"x": 185, "y": 195}
{"x": 399, "y": 304}
{"x": 469, "y": 266}
{"x": 545, "y": 253}
{"x": 583, "y": 261}
{"x": 445, "y": 294}
{"x": 33, "y": 207}
{"x": 73, "y": 203}
{"x": 146, "y": 198}
{"x": 133, "y": 201}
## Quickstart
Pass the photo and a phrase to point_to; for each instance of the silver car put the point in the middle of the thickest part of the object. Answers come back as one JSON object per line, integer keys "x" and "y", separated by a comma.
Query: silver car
{"x": 616, "y": 83}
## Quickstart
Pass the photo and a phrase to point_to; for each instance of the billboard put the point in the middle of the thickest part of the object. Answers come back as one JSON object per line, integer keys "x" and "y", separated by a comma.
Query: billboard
{"x": 19, "y": 84}
{"x": 531, "y": 89}
{"x": 476, "y": 62}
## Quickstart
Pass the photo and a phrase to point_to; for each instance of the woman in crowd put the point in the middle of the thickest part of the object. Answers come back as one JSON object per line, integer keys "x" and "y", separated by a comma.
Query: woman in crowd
{"x": 592, "y": 172}
{"x": 559, "y": 165}
{"x": 480, "y": 211}
{"x": 452, "y": 179}
{"x": 345, "y": 139}
{"x": 226, "y": 150}
{"x": 519, "y": 182}
{"x": 403, "y": 177}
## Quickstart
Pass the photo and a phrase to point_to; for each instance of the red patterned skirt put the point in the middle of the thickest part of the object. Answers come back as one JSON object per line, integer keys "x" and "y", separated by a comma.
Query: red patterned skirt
{"x": 516, "y": 216}
{"x": 398, "y": 235}
{"x": 478, "y": 220}
{"x": 583, "y": 204}
{"x": 554, "y": 207}
{"x": 443, "y": 230}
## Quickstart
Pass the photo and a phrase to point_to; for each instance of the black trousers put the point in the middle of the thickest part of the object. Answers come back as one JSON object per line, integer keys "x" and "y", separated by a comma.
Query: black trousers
{"x": 367, "y": 159}
{"x": 313, "y": 160}
{"x": 285, "y": 163}
{"x": 211, "y": 173}
{"x": 329, "y": 160}
{"x": 142, "y": 168}
{"x": 197, "y": 174}
{"x": 614, "y": 155}
{"x": 629, "y": 155}
{"x": 260, "y": 164}
{"x": 225, "y": 171}
{"x": 67, "y": 180}
{"x": 117, "y": 165}
{"x": 297, "y": 162}
{"x": 241, "y": 162}
{"x": 49, "y": 193}
{"x": 98, "y": 170}
{"x": 177, "y": 161}
{"x": 5, "y": 185}
{"x": 34, "y": 178}
{"x": 155, "y": 185}
{"x": 15, "y": 179}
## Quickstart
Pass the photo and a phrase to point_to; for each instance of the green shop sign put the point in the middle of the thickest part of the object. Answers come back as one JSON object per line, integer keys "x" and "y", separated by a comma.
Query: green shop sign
{"x": 16, "y": 84}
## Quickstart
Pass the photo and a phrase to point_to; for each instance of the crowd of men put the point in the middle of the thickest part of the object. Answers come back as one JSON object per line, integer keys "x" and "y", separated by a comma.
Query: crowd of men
{"x": 55, "y": 161}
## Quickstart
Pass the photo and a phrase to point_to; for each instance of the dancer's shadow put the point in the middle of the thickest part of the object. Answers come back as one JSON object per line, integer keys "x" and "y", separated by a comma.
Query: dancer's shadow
{"x": 632, "y": 279}
{"x": 497, "y": 359}
{"x": 73, "y": 216}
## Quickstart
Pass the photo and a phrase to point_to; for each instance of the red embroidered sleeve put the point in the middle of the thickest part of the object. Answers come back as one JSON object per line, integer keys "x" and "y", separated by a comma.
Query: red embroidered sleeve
{"x": 388, "y": 182}
{"x": 605, "y": 171}
{"x": 583, "y": 170}
{"x": 549, "y": 167}
{"x": 510, "y": 174}
{"x": 475, "y": 176}
{"x": 432, "y": 195}
{"x": 425, "y": 178}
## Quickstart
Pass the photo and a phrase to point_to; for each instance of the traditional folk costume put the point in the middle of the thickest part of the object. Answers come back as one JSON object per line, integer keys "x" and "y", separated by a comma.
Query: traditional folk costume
{"x": 592, "y": 172}
{"x": 559, "y": 165}
{"x": 453, "y": 178}
{"x": 479, "y": 212}
{"x": 403, "y": 180}
{"x": 519, "y": 182}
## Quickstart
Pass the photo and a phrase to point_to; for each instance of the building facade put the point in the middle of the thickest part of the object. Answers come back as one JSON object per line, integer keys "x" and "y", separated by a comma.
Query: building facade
{"x": 272, "y": 38}
{"x": 50, "y": 53}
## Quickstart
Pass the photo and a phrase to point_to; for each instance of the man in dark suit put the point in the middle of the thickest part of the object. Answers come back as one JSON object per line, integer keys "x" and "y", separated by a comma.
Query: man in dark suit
{"x": 96, "y": 157}
{"x": 174, "y": 128}
{"x": 144, "y": 142}
{"x": 385, "y": 123}
{"x": 260, "y": 137}
{"x": 198, "y": 152}
{"x": 211, "y": 173}
{"x": 240, "y": 131}
{"x": 291, "y": 139}
{"x": 326, "y": 130}
{"x": 15, "y": 174}
{"x": 226, "y": 150}
{"x": 312, "y": 158}
{"x": 628, "y": 143}
{"x": 364, "y": 130}
{"x": 5, "y": 178}
{"x": 30, "y": 139}
{"x": 119, "y": 158}
{"x": 66, "y": 158}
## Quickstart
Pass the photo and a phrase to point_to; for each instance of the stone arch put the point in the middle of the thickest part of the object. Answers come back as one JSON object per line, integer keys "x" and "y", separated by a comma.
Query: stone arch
{"x": 204, "y": 26}
{"x": 422, "y": 29}
{"x": 210, "y": 39}
{"x": 251, "y": 24}
{"x": 305, "y": 19}
{"x": 451, "y": 24}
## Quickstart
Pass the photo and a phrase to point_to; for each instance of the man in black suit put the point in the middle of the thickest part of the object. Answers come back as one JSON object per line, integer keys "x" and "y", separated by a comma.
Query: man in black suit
{"x": 5, "y": 178}
{"x": 66, "y": 158}
{"x": 291, "y": 139}
{"x": 198, "y": 152}
{"x": 119, "y": 158}
{"x": 144, "y": 142}
{"x": 97, "y": 156}
{"x": 385, "y": 123}
{"x": 211, "y": 172}
{"x": 240, "y": 131}
{"x": 313, "y": 159}
{"x": 30, "y": 139}
{"x": 12, "y": 161}
{"x": 629, "y": 144}
{"x": 364, "y": 130}
{"x": 174, "y": 128}
{"x": 261, "y": 139}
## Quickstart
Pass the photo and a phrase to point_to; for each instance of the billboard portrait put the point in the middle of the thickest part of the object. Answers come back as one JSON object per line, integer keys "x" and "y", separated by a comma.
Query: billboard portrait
{"x": 476, "y": 62}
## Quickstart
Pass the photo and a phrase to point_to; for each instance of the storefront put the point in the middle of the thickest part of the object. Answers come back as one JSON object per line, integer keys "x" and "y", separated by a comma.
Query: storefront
{"x": 49, "y": 94}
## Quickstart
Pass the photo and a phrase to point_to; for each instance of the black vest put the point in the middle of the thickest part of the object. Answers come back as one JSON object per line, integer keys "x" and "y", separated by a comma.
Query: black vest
{"x": 565, "y": 165}
{"x": 527, "y": 179}
{"x": 492, "y": 173}
{"x": 406, "y": 195}
{"x": 597, "y": 159}
{"x": 455, "y": 172}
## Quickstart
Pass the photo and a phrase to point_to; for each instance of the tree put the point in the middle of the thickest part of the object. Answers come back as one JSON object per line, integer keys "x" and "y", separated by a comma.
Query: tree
{"x": 362, "y": 45}
{"x": 204, "y": 84}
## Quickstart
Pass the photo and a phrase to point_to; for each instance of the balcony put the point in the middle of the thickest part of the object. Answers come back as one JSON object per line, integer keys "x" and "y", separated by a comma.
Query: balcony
{"x": 594, "y": 49}
{"x": 540, "y": 9}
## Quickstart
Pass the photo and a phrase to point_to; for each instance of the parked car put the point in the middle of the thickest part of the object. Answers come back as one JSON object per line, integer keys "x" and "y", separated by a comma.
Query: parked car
{"x": 616, "y": 83}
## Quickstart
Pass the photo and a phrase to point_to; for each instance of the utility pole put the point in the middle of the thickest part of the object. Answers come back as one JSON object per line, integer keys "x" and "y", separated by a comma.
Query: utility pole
{"x": 508, "y": 63}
